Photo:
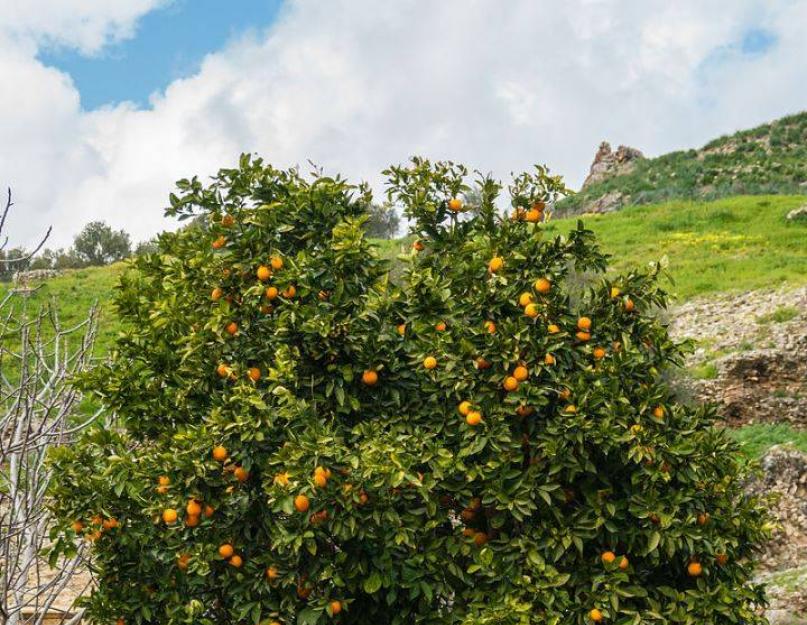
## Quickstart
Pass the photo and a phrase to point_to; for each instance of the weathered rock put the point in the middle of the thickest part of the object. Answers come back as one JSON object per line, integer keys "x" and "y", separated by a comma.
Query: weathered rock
{"x": 798, "y": 214}
{"x": 24, "y": 278}
{"x": 608, "y": 163}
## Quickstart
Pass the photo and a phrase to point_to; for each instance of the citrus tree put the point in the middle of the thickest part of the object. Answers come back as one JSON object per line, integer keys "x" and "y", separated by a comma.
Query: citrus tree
{"x": 298, "y": 440}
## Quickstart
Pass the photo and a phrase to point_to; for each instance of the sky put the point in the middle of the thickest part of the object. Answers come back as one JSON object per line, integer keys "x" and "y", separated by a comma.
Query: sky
{"x": 104, "y": 104}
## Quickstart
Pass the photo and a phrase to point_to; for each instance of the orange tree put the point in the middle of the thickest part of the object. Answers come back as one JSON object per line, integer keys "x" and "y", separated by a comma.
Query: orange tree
{"x": 297, "y": 440}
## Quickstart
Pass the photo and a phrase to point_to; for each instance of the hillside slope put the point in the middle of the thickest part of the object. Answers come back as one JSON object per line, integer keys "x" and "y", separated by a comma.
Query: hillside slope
{"x": 771, "y": 158}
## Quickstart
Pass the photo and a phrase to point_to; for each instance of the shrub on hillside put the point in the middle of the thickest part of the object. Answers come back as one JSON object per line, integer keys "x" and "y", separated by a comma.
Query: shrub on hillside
{"x": 299, "y": 441}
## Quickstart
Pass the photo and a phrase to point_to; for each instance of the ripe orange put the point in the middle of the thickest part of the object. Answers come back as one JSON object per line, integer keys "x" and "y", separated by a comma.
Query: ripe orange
{"x": 608, "y": 557}
{"x": 301, "y": 503}
{"x": 441, "y": 326}
{"x": 565, "y": 393}
{"x": 524, "y": 411}
{"x": 369, "y": 377}
{"x": 659, "y": 412}
{"x": 722, "y": 559}
{"x": 223, "y": 370}
{"x": 220, "y": 453}
{"x": 226, "y": 550}
{"x": 161, "y": 490}
{"x": 120, "y": 621}
{"x": 539, "y": 205}
{"x": 496, "y": 263}
{"x": 182, "y": 561}
{"x": 521, "y": 373}
{"x": 455, "y": 204}
{"x": 418, "y": 246}
{"x": 272, "y": 573}
{"x": 263, "y": 273}
{"x": 254, "y": 374}
{"x": 595, "y": 615}
{"x": 694, "y": 569}
{"x": 194, "y": 508}
{"x": 624, "y": 563}
{"x": 110, "y": 523}
{"x": 473, "y": 418}
{"x": 533, "y": 215}
{"x": 191, "y": 520}
{"x": 583, "y": 336}
{"x": 320, "y": 479}
{"x": 236, "y": 561}
{"x": 401, "y": 329}
{"x": 216, "y": 294}
{"x": 169, "y": 516}
{"x": 276, "y": 262}
{"x": 323, "y": 296}
{"x": 490, "y": 327}
{"x": 465, "y": 408}
{"x": 303, "y": 592}
{"x": 599, "y": 353}
{"x": 319, "y": 517}
{"x": 271, "y": 293}
{"x": 289, "y": 292}
{"x": 241, "y": 474}
{"x": 282, "y": 479}
{"x": 468, "y": 532}
{"x": 615, "y": 292}
{"x": 77, "y": 526}
{"x": 219, "y": 243}
{"x": 629, "y": 305}
{"x": 232, "y": 328}
{"x": 163, "y": 480}
{"x": 542, "y": 285}
{"x": 480, "y": 539}
{"x": 510, "y": 383}
{"x": 549, "y": 359}
{"x": 336, "y": 607}
{"x": 482, "y": 363}
{"x": 584, "y": 324}
{"x": 524, "y": 299}
{"x": 703, "y": 518}
{"x": 531, "y": 311}
{"x": 552, "y": 328}
{"x": 430, "y": 362}
{"x": 208, "y": 511}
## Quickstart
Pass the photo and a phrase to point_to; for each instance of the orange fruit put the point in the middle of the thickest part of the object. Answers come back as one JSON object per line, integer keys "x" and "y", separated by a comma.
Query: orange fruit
{"x": 539, "y": 205}
{"x": 303, "y": 592}
{"x": 216, "y": 294}
{"x": 401, "y": 328}
{"x": 510, "y": 383}
{"x": 220, "y": 453}
{"x": 226, "y": 550}
{"x": 336, "y": 607}
{"x": 703, "y": 518}
{"x": 321, "y": 480}
{"x": 480, "y": 539}
{"x": 565, "y": 393}
{"x": 227, "y": 221}
{"x": 323, "y": 296}
{"x": 169, "y": 516}
{"x": 161, "y": 490}
{"x": 490, "y": 327}
{"x": 595, "y": 615}
{"x": 455, "y": 204}
{"x": 191, "y": 520}
{"x": 584, "y": 324}
{"x": 441, "y": 326}
{"x": 271, "y": 292}
{"x": 533, "y": 215}
{"x": 163, "y": 480}
{"x": 524, "y": 299}
{"x": 542, "y": 285}
{"x": 468, "y": 532}
{"x": 77, "y": 526}
{"x": 120, "y": 621}
{"x": 599, "y": 353}
{"x": 608, "y": 557}
{"x": 418, "y": 246}
{"x": 570, "y": 409}
{"x": 194, "y": 508}
{"x": 552, "y": 328}
{"x": 624, "y": 563}
{"x": 290, "y": 291}
{"x": 219, "y": 243}
{"x": 549, "y": 359}
{"x": 241, "y": 474}
{"x": 272, "y": 573}
{"x": 223, "y": 370}
{"x": 232, "y": 328}
{"x": 430, "y": 362}
{"x": 583, "y": 336}
{"x": 495, "y": 264}
{"x": 521, "y": 373}
{"x": 482, "y": 363}
{"x": 524, "y": 411}
{"x": 659, "y": 412}
{"x": 182, "y": 561}
{"x": 722, "y": 559}
{"x": 531, "y": 311}
{"x": 473, "y": 418}
{"x": 282, "y": 479}
{"x": 236, "y": 561}
{"x": 276, "y": 262}
{"x": 254, "y": 374}
{"x": 694, "y": 569}
{"x": 369, "y": 377}
{"x": 465, "y": 408}
{"x": 208, "y": 511}
{"x": 629, "y": 305}
{"x": 110, "y": 523}
{"x": 615, "y": 292}
{"x": 301, "y": 503}
{"x": 263, "y": 273}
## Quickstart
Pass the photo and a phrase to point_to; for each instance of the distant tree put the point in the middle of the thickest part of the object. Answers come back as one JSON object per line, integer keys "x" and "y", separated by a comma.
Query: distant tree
{"x": 11, "y": 261}
{"x": 98, "y": 244}
{"x": 382, "y": 221}
{"x": 146, "y": 247}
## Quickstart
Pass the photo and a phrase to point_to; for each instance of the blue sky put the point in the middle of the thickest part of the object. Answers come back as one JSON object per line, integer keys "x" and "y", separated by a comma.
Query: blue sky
{"x": 169, "y": 43}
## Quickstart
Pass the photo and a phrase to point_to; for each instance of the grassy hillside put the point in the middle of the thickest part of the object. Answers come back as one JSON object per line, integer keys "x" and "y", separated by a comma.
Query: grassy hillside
{"x": 771, "y": 158}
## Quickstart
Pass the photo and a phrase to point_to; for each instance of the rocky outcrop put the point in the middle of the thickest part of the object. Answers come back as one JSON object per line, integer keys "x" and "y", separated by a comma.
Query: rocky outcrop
{"x": 798, "y": 215}
{"x": 24, "y": 278}
{"x": 608, "y": 163}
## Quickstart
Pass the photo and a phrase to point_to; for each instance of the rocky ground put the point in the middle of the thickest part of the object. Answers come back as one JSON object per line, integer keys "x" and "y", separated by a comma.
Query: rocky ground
{"x": 750, "y": 358}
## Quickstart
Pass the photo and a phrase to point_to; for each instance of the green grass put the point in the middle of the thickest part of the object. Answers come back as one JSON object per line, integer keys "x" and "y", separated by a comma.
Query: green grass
{"x": 758, "y": 438}
{"x": 705, "y": 371}
{"x": 726, "y": 245}
{"x": 780, "y": 315}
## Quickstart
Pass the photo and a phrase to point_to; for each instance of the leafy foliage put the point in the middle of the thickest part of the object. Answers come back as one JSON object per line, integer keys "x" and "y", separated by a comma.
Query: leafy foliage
{"x": 771, "y": 158}
{"x": 294, "y": 447}
{"x": 99, "y": 244}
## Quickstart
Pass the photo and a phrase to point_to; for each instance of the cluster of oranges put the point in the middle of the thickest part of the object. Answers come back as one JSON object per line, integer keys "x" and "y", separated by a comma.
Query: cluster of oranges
{"x": 533, "y": 214}
{"x": 99, "y": 525}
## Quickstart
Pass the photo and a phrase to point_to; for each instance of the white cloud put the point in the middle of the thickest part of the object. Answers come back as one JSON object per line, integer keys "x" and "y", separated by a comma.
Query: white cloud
{"x": 356, "y": 85}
